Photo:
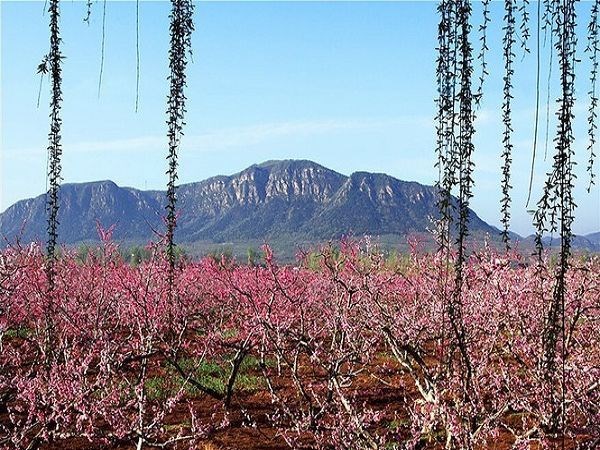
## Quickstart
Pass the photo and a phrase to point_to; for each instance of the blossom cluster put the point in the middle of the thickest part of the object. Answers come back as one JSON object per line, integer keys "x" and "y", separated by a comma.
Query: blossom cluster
{"x": 353, "y": 349}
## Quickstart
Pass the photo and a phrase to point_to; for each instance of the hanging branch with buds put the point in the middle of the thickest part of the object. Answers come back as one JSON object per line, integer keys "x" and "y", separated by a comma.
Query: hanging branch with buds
{"x": 557, "y": 203}
{"x": 549, "y": 20}
{"x": 446, "y": 118}
{"x": 181, "y": 29}
{"x": 481, "y": 56}
{"x": 88, "y": 12}
{"x": 466, "y": 130}
{"x": 592, "y": 48}
{"x": 52, "y": 65}
{"x": 508, "y": 41}
{"x": 525, "y": 32}
{"x": 455, "y": 147}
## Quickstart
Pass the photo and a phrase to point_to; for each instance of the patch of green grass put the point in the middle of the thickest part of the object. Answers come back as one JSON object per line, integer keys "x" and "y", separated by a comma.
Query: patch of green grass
{"x": 158, "y": 388}
{"x": 210, "y": 375}
{"x": 253, "y": 363}
{"x": 249, "y": 383}
{"x": 215, "y": 375}
{"x": 20, "y": 332}
{"x": 230, "y": 333}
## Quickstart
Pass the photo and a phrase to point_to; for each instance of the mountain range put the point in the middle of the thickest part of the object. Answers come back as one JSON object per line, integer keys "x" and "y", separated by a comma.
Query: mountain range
{"x": 293, "y": 200}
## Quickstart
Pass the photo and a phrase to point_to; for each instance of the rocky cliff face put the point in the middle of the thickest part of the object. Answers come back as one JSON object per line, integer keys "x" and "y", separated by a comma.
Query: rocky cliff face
{"x": 262, "y": 201}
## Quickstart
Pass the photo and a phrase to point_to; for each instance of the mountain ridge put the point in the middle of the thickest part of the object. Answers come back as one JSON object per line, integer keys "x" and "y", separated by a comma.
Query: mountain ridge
{"x": 296, "y": 198}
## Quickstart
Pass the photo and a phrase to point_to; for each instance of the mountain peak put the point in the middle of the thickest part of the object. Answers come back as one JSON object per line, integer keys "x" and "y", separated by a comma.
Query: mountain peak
{"x": 283, "y": 164}
{"x": 265, "y": 201}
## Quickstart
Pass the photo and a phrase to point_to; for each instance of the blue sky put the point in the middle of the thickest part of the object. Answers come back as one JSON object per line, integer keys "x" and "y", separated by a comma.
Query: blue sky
{"x": 350, "y": 85}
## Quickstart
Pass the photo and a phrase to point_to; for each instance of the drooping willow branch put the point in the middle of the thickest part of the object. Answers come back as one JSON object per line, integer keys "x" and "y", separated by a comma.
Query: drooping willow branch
{"x": 137, "y": 54}
{"x": 446, "y": 118}
{"x": 481, "y": 57}
{"x": 550, "y": 7}
{"x": 550, "y": 20}
{"x": 445, "y": 122}
{"x": 508, "y": 41}
{"x": 455, "y": 148}
{"x": 53, "y": 64}
{"x": 592, "y": 49}
{"x": 181, "y": 29}
{"x": 538, "y": 67}
{"x": 465, "y": 182}
{"x": 525, "y": 32}
{"x": 88, "y": 12}
{"x": 102, "y": 47}
{"x": 557, "y": 202}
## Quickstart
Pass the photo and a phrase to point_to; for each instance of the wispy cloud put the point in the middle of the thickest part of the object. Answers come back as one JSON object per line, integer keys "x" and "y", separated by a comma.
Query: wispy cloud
{"x": 231, "y": 138}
